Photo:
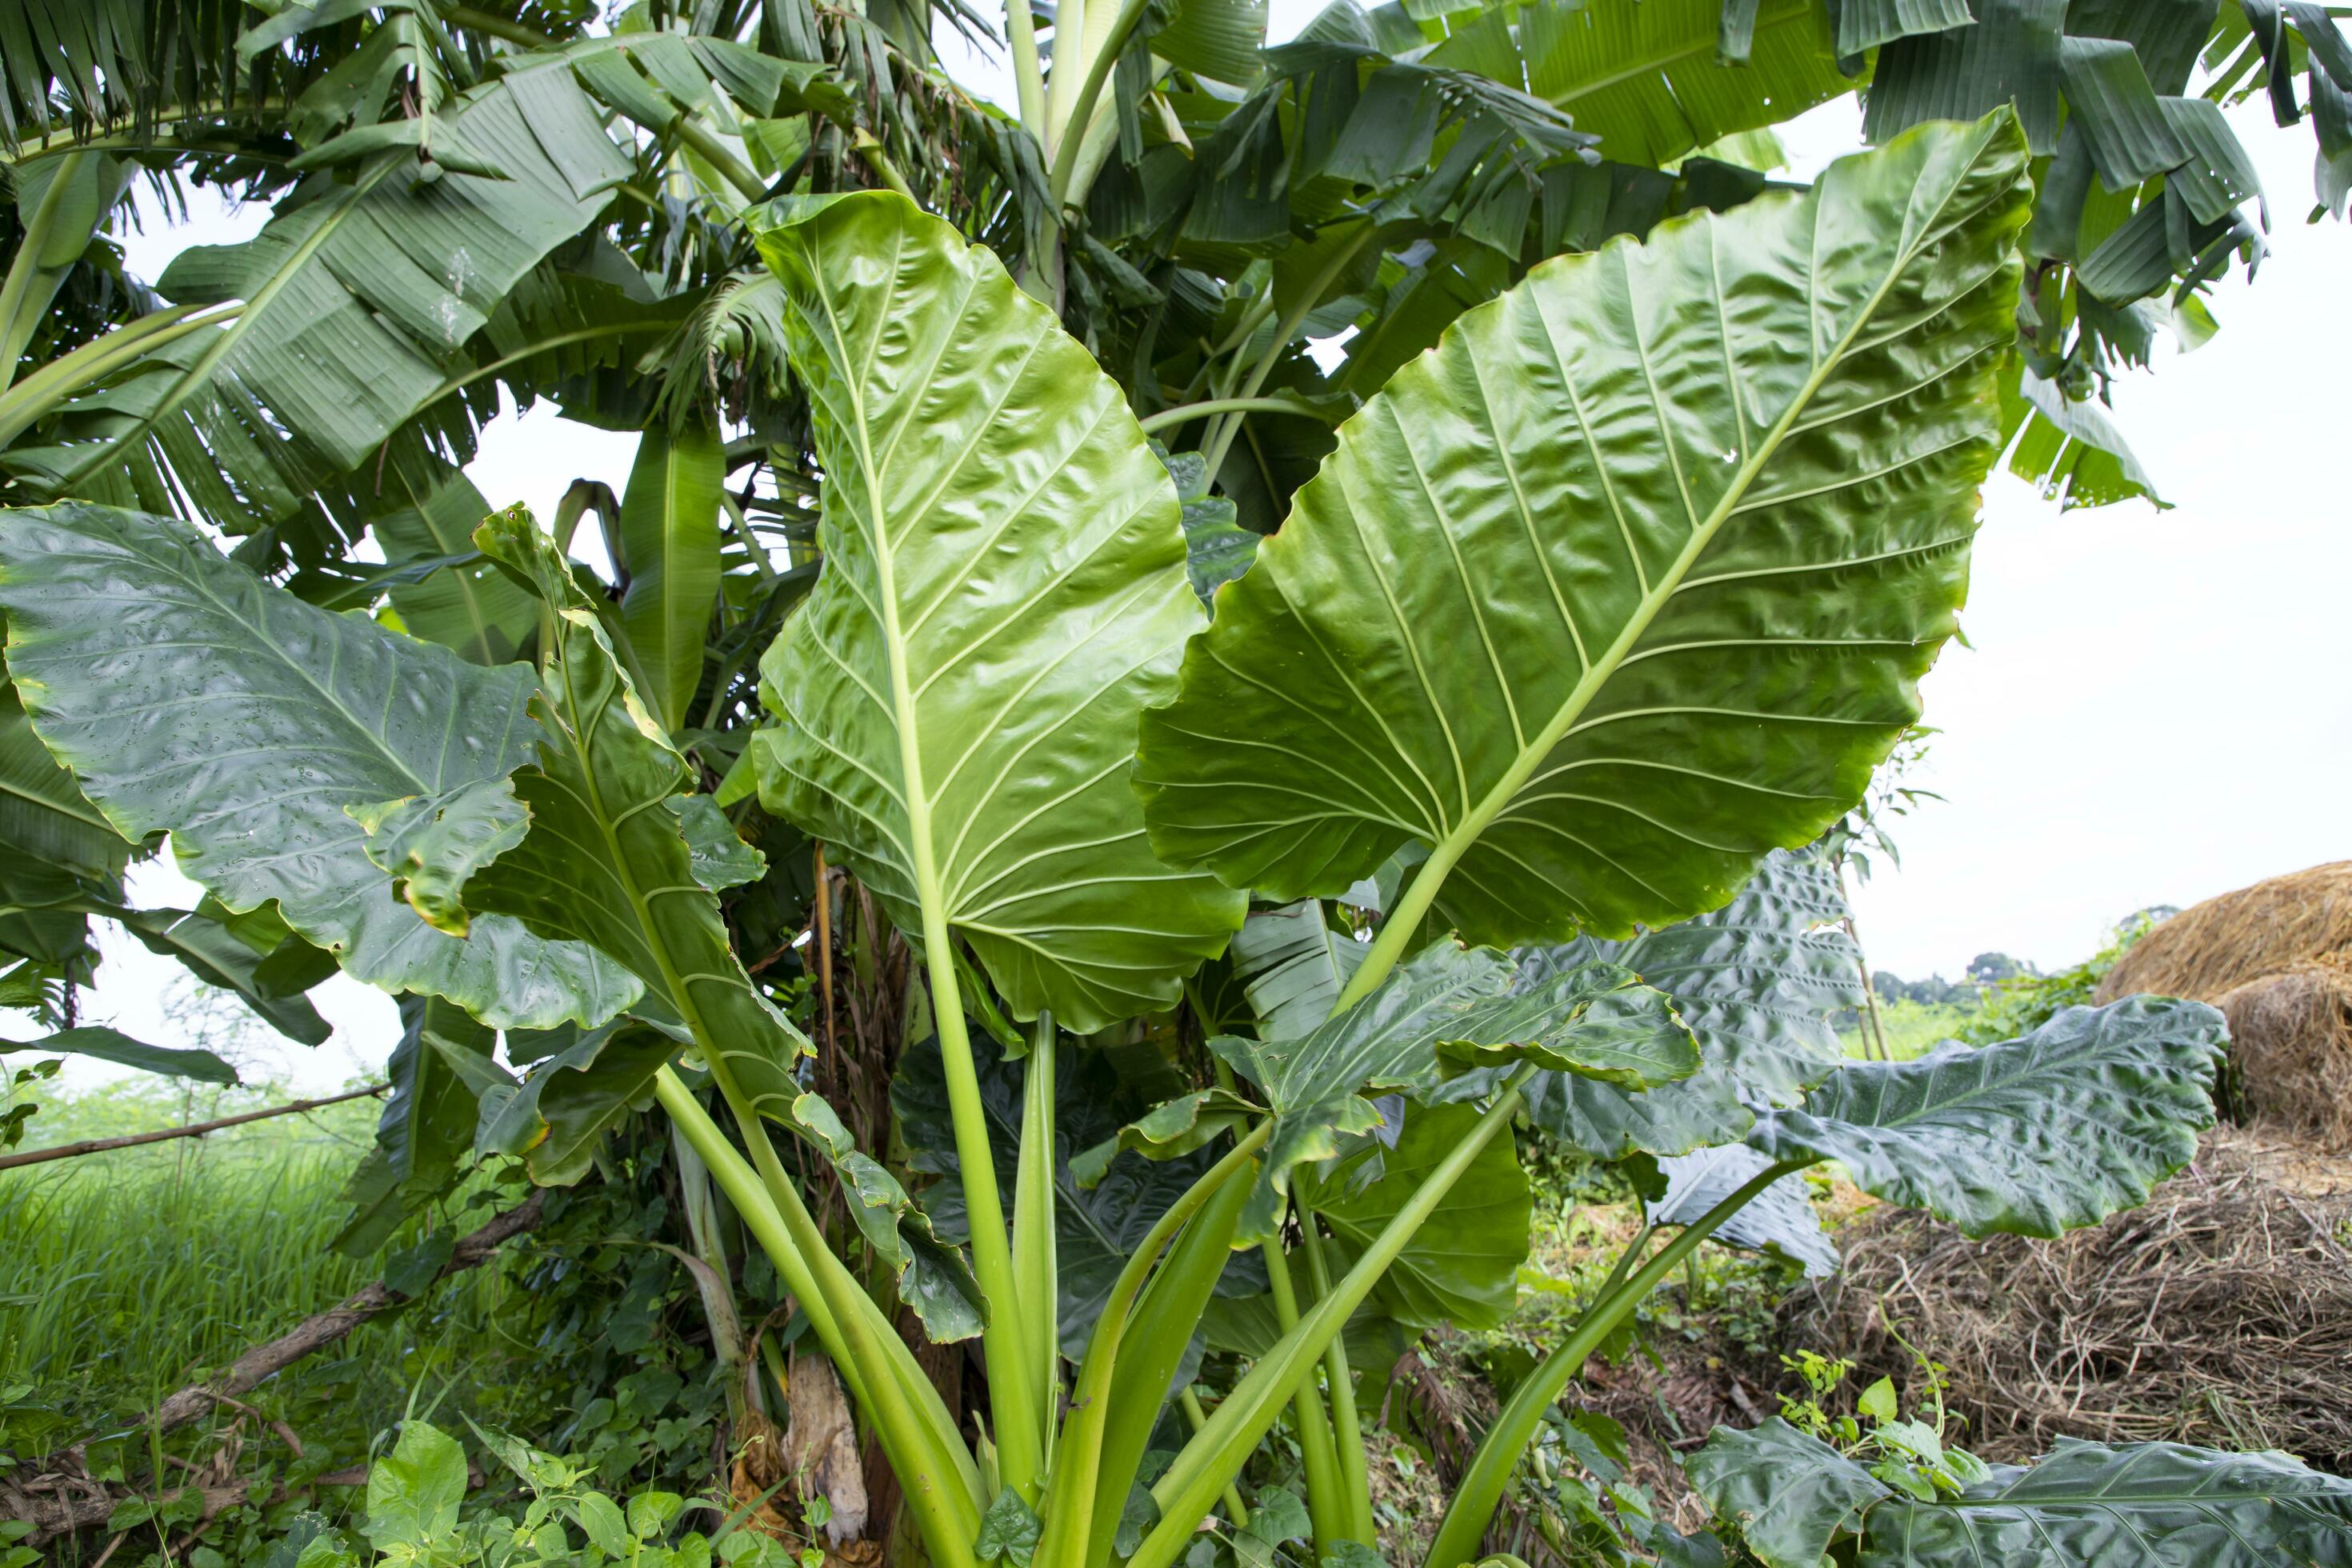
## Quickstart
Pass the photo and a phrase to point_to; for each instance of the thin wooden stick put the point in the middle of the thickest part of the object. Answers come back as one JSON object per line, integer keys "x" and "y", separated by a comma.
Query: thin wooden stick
{"x": 198, "y": 1130}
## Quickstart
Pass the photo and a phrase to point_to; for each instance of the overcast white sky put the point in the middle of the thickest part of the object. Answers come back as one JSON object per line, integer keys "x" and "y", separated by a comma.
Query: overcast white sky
{"x": 2155, "y": 707}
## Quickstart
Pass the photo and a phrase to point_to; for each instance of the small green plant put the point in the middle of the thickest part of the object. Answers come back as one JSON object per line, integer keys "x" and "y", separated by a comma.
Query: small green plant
{"x": 415, "y": 1518}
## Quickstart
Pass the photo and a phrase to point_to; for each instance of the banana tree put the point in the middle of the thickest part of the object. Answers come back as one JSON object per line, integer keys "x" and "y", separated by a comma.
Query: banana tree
{"x": 1625, "y": 586}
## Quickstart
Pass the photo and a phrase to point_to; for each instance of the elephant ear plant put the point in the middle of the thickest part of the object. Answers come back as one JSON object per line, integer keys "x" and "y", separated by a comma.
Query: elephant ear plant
{"x": 1625, "y": 584}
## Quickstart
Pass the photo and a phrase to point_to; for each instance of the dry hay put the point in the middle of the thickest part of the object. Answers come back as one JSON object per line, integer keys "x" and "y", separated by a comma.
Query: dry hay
{"x": 2277, "y": 959}
{"x": 2221, "y": 1313}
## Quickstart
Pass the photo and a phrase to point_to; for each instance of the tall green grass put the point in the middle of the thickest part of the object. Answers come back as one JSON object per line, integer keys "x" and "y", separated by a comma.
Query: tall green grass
{"x": 129, "y": 1273}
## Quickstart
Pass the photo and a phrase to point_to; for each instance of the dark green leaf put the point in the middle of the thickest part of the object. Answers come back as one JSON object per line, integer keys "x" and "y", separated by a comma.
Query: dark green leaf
{"x": 112, "y": 1046}
{"x": 1462, "y": 1266}
{"x": 2035, "y": 1136}
{"x": 1788, "y": 1493}
{"x": 188, "y": 695}
{"x": 1292, "y": 965}
{"x": 215, "y": 956}
{"x": 2008, "y": 57}
{"x": 669, "y": 535}
{"x": 2109, "y": 1505}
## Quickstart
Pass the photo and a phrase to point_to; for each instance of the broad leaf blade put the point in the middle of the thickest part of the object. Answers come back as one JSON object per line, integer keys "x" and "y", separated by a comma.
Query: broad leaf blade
{"x": 1004, "y": 591}
{"x": 669, "y": 532}
{"x": 1292, "y": 966}
{"x": 187, "y": 695}
{"x": 1462, "y": 1266}
{"x": 113, "y": 1045}
{"x": 2109, "y": 1504}
{"x": 1790, "y": 1493}
{"x": 2034, "y": 1136}
{"x": 1592, "y": 600}
{"x": 1757, "y": 981}
{"x": 1778, "y": 1219}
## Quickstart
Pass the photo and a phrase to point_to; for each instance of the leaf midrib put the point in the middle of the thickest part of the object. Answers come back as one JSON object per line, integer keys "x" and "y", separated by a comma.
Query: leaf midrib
{"x": 1454, "y": 845}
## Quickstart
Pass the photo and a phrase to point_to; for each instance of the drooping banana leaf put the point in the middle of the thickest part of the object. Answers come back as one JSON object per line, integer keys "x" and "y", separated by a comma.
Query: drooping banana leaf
{"x": 113, "y": 1045}
{"x": 1003, "y": 590}
{"x": 358, "y": 299}
{"x": 1646, "y": 78}
{"x": 670, "y": 532}
{"x": 189, "y": 695}
{"x": 2077, "y": 1120}
{"x": 1595, "y": 601}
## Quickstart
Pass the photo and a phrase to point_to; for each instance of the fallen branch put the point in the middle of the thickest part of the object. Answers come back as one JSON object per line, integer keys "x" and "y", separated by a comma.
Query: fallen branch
{"x": 100, "y": 1145}
{"x": 64, "y": 1472}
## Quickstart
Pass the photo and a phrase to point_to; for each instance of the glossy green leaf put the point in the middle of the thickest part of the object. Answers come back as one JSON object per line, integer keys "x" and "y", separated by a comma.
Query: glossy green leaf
{"x": 187, "y": 695}
{"x": 1215, "y": 38}
{"x": 1791, "y": 1494}
{"x": 1593, "y": 600}
{"x": 2034, "y": 1136}
{"x": 1779, "y": 1219}
{"x": 2071, "y": 452}
{"x": 1462, "y": 1266}
{"x": 1004, "y": 591}
{"x": 669, "y": 535}
{"x": 113, "y": 1045}
{"x": 2120, "y": 1505}
{"x": 1866, "y": 24}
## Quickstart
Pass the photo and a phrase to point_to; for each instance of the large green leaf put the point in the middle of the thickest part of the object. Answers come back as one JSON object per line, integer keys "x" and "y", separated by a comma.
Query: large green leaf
{"x": 2109, "y": 1505}
{"x": 358, "y": 299}
{"x": 187, "y": 695}
{"x": 669, "y": 533}
{"x": 1446, "y": 1008}
{"x": 1791, "y": 1494}
{"x": 1757, "y": 981}
{"x": 1462, "y": 1265}
{"x": 1598, "y": 601}
{"x": 2034, "y": 1136}
{"x": 596, "y": 842}
{"x": 113, "y": 1045}
{"x": 1003, "y": 590}
{"x": 1645, "y": 76}
{"x": 2083, "y": 1505}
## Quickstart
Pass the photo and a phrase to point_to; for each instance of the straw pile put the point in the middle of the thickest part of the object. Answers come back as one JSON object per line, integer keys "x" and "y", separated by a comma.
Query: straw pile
{"x": 2277, "y": 959}
{"x": 2221, "y": 1313}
